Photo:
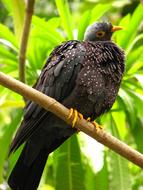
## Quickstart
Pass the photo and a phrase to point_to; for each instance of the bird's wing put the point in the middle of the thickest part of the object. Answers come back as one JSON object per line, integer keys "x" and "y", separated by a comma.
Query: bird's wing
{"x": 57, "y": 80}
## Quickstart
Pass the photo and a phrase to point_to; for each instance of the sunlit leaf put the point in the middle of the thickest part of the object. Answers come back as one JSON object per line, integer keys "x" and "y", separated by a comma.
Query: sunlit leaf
{"x": 9, "y": 103}
{"x": 133, "y": 57}
{"x": 5, "y": 53}
{"x": 41, "y": 22}
{"x": 68, "y": 161}
{"x": 98, "y": 11}
{"x": 18, "y": 11}
{"x": 6, "y": 34}
{"x": 120, "y": 178}
{"x": 137, "y": 99}
{"x": 120, "y": 120}
{"x": 139, "y": 78}
{"x": 139, "y": 37}
{"x": 47, "y": 187}
{"x": 8, "y": 5}
{"x": 128, "y": 106}
{"x": 131, "y": 29}
{"x": 102, "y": 175}
{"x": 135, "y": 67}
{"x": 66, "y": 18}
{"x": 5, "y": 139}
{"x": 124, "y": 22}
{"x": 83, "y": 23}
{"x": 137, "y": 135}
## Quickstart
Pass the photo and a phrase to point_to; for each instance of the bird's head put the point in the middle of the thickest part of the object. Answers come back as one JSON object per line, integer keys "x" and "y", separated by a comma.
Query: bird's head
{"x": 100, "y": 31}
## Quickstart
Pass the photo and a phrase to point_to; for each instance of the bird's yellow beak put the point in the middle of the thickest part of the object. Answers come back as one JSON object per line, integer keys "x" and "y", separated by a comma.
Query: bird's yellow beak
{"x": 115, "y": 28}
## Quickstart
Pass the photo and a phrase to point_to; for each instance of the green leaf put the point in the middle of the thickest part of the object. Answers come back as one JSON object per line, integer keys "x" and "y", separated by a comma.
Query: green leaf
{"x": 6, "y": 34}
{"x": 18, "y": 12}
{"x": 5, "y": 53}
{"x": 98, "y": 11}
{"x": 137, "y": 135}
{"x": 46, "y": 25}
{"x": 9, "y": 66}
{"x": 83, "y": 23}
{"x": 89, "y": 177}
{"x": 139, "y": 77}
{"x": 120, "y": 120}
{"x": 131, "y": 29}
{"x": 133, "y": 57}
{"x": 124, "y": 22}
{"x": 128, "y": 106}
{"x": 47, "y": 187}
{"x": 102, "y": 175}
{"x": 43, "y": 28}
{"x": 66, "y": 17}
{"x": 5, "y": 138}
{"x": 128, "y": 50}
{"x": 120, "y": 178}
{"x": 135, "y": 67}
{"x": 69, "y": 171}
{"x": 7, "y": 4}
{"x": 137, "y": 100}
{"x": 12, "y": 104}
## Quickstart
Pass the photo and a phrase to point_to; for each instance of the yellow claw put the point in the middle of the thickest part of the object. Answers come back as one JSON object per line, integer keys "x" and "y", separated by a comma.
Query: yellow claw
{"x": 75, "y": 114}
{"x": 71, "y": 113}
{"x": 75, "y": 118}
{"x": 97, "y": 126}
{"x": 80, "y": 115}
{"x": 88, "y": 119}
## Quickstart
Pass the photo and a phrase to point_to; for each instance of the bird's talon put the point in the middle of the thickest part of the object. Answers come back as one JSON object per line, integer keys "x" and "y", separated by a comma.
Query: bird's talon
{"x": 75, "y": 118}
{"x": 88, "y": 119}
{"x": 97, "y": 126}
{"x": 71, "y": 113}
{"x": 75, "y": 114}
{"x": 80, "y": 115}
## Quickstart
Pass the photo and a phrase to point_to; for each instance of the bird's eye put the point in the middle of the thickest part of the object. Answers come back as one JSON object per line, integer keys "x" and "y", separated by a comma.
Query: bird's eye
{"x": 100, "y": 34}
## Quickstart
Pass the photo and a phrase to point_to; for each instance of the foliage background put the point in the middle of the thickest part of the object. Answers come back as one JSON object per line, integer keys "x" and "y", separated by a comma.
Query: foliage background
{"x": 80, "y": 163}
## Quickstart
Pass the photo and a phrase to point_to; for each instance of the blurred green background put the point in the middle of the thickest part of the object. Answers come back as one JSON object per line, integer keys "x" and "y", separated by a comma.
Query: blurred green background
{"x": 80, "y": 163}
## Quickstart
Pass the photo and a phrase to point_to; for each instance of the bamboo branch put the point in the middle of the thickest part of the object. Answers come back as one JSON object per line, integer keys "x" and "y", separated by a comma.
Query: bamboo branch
{"x": 58, "y": 109}
{"x": 24, "y": 38}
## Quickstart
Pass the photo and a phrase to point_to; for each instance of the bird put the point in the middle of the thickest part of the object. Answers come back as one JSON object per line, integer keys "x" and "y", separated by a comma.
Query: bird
{"x": 82, "y": 75}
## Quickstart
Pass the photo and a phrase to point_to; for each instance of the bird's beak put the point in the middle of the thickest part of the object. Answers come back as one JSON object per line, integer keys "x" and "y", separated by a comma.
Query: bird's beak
{"x": 115, "y": 28}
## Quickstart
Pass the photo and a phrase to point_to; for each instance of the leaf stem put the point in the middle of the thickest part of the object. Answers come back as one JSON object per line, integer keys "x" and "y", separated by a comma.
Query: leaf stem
{"x": 24, "y": 38}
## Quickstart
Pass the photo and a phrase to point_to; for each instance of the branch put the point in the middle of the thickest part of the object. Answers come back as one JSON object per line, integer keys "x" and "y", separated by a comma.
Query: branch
{"x": 58, "y": 109}
{"x": 24, "y": 38}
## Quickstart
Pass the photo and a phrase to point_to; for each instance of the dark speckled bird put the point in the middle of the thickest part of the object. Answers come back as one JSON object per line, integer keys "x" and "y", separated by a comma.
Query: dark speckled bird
{"x": 84, "y": 75}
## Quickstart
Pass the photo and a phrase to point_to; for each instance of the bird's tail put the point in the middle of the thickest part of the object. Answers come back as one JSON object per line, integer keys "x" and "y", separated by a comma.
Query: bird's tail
{"x": 25, "y": 177}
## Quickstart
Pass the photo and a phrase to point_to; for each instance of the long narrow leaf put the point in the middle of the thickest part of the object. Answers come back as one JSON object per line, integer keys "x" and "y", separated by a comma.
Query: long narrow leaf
{"x": 6, "y": 138}
{"x": 99, "y": 11}
{"x": 66, "y": 18}
{"x": 120, "y": 178}
{"x": 69, "y": 171}
{"x": 6, "y": 34}
{"x": 8, "y": 5}
{"x": 102, "y": 177}
{"x": 131, "y": 29}
{"x": 83, "y": 23}
{"x": 18, "y": 16}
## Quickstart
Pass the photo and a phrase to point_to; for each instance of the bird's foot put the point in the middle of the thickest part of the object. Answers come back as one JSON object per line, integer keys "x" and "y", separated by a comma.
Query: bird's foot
{"x": 74, "y": 114}
{"x": 97, "y": 126}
